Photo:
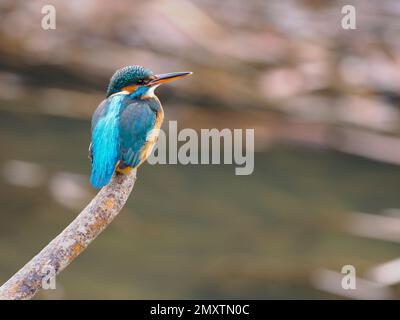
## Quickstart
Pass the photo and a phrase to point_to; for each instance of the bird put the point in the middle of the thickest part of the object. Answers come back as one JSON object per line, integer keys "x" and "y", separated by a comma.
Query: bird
{"x": 125, "y": 126}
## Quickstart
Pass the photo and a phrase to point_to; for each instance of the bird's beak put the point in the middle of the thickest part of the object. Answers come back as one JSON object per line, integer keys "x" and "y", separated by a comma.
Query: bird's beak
{"x": 167, "y": 77}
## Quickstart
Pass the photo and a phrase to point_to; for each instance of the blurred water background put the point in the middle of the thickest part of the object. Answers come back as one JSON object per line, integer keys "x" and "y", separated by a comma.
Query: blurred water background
{"x": 324, "y": 103}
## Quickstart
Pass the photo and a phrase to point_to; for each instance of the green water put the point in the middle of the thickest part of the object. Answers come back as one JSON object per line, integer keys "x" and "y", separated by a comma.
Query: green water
{"x": 197, "y": 231}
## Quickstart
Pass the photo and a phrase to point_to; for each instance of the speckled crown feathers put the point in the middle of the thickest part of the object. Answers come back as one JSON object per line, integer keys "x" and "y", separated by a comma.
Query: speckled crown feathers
{"x": 127, "y": 76}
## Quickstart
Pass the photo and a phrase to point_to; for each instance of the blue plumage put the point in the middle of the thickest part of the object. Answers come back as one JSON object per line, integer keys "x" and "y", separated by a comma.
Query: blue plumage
{"x": 120, "y": 128}
{"x": 105, "y": 141}
{"x": 137, "y": 120}
{"x": 122, "y": 124}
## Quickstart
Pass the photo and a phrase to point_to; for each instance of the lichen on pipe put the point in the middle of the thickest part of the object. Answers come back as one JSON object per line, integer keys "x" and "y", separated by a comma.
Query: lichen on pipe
{"x": 62, "y": 250}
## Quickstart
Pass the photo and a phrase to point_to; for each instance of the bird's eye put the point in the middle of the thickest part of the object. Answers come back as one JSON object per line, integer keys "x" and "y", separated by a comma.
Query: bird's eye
{"x": 140, "y": 81}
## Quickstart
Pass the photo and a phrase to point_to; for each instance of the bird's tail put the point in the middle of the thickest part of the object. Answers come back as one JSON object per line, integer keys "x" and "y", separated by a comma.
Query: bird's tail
{"x": 105, "y": 151}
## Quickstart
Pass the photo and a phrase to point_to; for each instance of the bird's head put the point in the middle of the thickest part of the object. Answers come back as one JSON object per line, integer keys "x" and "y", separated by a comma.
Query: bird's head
{"x": 139, "y": 81}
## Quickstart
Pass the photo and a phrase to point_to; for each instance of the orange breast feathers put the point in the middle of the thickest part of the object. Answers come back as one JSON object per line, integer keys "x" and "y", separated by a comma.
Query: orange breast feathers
{"x": 152, "y": 137}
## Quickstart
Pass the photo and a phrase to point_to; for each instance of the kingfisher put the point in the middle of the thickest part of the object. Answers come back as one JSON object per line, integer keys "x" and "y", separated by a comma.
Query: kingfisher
{"x": 126, "y": 124}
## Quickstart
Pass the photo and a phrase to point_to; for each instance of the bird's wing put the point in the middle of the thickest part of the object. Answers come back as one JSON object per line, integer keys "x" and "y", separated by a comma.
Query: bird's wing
{"x": 105, "y": 140}
{"x": 97, "y": 115}
{"x": 137, "y": 120}
{"x": 102, "y": 110}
